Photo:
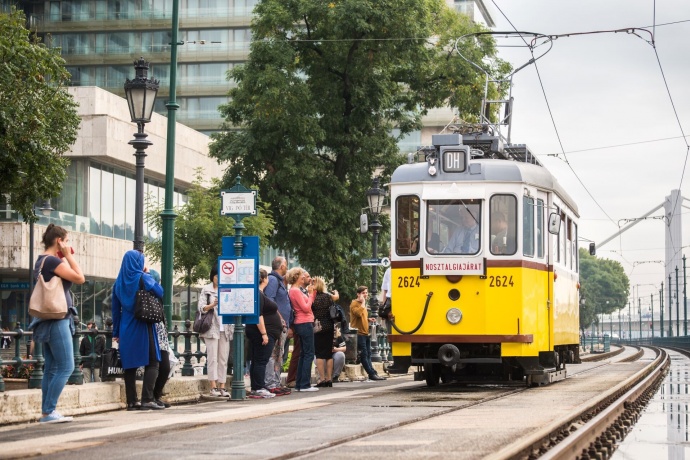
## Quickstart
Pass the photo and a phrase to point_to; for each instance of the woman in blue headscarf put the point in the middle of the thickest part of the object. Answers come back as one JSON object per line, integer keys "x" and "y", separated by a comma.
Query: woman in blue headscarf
{"x": 138, "y": 340}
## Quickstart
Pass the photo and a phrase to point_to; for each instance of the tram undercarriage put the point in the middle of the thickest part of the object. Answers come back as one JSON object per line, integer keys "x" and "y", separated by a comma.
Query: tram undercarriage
{"x": 483, "y": 363}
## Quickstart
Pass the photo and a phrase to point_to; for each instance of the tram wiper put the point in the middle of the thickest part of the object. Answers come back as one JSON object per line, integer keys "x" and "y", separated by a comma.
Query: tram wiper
{"x": 469, "y": 212}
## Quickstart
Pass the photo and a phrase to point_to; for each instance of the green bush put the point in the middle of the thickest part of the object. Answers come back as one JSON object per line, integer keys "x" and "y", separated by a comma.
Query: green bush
{"x": 176, "y": 318}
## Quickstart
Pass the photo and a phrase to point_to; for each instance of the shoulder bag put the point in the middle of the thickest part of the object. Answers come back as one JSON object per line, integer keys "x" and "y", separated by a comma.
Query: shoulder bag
{"x": 48, "y": 300}
{"x": 203, "y": 321}
{"x": 147, "y": 307}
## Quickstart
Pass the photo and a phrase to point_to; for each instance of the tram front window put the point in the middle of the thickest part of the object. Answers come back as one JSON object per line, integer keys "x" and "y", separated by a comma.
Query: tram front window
{"x": 453, "y": 226}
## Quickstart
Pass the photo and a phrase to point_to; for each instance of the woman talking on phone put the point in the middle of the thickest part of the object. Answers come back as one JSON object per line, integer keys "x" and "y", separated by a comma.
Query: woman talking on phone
{"x": 56, "y": 334}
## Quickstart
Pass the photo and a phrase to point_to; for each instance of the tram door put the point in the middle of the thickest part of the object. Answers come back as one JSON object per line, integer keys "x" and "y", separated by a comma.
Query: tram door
{"x": 542, "y": 249}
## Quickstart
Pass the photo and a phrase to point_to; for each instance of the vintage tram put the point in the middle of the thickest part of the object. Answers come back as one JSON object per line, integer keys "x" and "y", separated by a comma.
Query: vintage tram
{"x": 484, "y": 264}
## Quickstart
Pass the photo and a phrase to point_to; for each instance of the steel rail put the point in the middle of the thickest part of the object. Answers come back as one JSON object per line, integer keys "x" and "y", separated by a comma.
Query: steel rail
{"x": 592, "y": 425}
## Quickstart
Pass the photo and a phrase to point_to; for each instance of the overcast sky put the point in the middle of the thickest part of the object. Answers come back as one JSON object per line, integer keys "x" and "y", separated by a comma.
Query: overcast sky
{"x": 607, "y": 90}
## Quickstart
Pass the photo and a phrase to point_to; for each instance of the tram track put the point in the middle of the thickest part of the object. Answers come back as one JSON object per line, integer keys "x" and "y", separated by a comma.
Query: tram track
{"x": 593, "y": 431}
{"x": 537, "y": 444}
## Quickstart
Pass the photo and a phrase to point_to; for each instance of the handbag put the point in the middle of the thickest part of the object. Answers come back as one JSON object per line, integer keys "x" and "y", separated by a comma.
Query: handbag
{"x": 148, "y": 307}
{"x": 335, "y": 315}
{"x": 48, "y": 300}
{"x": 203, "y": 321}
{"x": 317, "y": 326}
{"x": 111, "y": 365}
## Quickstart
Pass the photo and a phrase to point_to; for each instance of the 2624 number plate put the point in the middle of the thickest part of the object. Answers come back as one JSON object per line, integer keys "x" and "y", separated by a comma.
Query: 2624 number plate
{"x": 408, "y": 281}
{"x": 501, "y": 281}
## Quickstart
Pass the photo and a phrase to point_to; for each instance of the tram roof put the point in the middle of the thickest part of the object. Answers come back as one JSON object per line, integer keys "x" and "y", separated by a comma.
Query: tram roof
{"x": 491, "y": 170}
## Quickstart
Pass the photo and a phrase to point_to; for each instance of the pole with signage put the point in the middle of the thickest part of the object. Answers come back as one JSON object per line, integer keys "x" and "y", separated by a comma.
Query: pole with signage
{"x": 238, "y": 202}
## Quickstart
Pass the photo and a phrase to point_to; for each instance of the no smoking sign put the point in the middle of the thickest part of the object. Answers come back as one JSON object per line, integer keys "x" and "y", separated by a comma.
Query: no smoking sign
{"x": 228, "y": 267}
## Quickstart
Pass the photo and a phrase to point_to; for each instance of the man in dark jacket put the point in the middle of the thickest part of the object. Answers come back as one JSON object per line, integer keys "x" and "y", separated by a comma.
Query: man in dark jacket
{"x": 91, "y": 367}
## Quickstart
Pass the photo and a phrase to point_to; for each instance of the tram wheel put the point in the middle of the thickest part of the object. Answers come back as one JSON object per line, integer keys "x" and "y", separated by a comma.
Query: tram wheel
{"x": 432, "y": 374}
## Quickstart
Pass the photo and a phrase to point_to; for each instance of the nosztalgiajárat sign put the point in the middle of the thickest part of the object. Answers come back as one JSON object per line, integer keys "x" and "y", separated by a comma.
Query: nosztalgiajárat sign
{"x": 238, "y": 203}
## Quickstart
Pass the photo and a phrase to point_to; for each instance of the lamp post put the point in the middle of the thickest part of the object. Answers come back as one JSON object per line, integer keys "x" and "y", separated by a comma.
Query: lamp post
{"x": 670, "y": 308}
{"x": 168, "y": 215}
{"x": 375, "y": 196}
{"x": 651, "y": 306}
{"x": 661, "y": 308}
{"x": 141, "y": 95}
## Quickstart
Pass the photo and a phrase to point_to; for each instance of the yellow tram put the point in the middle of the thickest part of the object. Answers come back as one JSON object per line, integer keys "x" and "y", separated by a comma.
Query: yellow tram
{"x": 484, "y": 265}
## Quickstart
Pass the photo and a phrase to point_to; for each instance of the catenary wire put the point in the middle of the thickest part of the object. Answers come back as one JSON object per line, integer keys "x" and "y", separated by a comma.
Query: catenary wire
{"x": 553, "y": 121}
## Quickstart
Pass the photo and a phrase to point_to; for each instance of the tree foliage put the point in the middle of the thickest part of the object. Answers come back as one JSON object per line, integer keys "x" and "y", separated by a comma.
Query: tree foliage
{"x": 199, "y": 229}
{"x": 311, "y": 116}
{"x": 38, "y": 117}
{"x": 604, "y": 287}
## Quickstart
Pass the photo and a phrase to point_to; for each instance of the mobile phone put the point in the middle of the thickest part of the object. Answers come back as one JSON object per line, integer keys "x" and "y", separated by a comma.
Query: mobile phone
{"x": 62, "y": 256}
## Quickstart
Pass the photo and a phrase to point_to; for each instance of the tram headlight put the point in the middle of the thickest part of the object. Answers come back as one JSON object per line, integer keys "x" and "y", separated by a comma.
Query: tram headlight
{"x": 432, "y": 170}
{"x": 453, "y": 316}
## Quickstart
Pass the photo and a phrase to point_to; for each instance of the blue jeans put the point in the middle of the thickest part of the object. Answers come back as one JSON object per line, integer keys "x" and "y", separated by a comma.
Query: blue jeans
{"x": 59, "y": 363}
{"x": 305, "y": 332}
{"x": 364, "y": 351}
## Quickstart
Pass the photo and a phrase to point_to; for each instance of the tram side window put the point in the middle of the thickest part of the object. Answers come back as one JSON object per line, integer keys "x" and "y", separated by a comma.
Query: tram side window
{"x": 569, "y": 245}
{"x": 407, "y": 225}
{"x": 540, "y": 228}
{"x": 556, "y": 241}
{"x": 454, "y": 226}
{"x": 528, "y": 226}
{"x": 576, "y": 256}
{"x": 562, "y": 248}
{"x": 503, "y": 224}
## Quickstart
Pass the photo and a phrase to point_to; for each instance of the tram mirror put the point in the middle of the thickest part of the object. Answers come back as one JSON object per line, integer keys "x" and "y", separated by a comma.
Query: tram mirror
{"x": 592, "y": 249}
{"x": 363, "y": 223}
{"x": 554, "y": 223}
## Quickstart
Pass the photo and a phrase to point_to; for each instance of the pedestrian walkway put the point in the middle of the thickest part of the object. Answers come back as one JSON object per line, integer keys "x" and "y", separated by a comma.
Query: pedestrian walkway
{"x": 30, "y": 439}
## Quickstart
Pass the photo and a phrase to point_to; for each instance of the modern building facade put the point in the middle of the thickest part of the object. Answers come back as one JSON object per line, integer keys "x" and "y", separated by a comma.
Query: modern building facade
{"x": 97, "y": 204}
{"x": 100, "y": 39}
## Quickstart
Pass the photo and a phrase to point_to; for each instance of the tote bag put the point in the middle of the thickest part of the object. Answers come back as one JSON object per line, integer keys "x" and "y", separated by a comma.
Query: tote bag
{"x": 48, "y": 300}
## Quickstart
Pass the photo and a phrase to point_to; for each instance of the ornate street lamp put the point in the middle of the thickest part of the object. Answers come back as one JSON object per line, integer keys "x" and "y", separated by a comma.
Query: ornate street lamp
{"x": 375, "y": 196}
{"x": 141, "y": 96}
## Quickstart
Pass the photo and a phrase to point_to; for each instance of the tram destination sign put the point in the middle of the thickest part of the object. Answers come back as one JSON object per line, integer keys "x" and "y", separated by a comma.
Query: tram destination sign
{"x": 454, "y": 266}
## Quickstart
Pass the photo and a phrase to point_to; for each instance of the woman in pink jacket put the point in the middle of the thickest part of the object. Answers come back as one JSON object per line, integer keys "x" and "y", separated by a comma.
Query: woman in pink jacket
{"x": 301, "y": 300}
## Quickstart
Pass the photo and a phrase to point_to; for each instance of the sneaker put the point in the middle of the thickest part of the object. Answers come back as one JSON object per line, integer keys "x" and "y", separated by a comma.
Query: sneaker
{"x": 224, "y": 393}
{"x": 265, "y": 393}
{"x": 254, "y": 395}
{"x": 151, "y": 405}
{"x": 278, "y": 391}
{"x": 376, "y": 377}
{"x": 215, "y": 392}
{"x": 134, "y": 406}
{"x": 309, "y": 389}
{"x": 54, "y": 417}
{"x": 162, "y": 403}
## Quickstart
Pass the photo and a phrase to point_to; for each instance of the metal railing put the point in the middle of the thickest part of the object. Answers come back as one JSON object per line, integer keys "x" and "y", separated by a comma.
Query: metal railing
{"x": 596, "y": 344}
{"x": 34, "y": 363}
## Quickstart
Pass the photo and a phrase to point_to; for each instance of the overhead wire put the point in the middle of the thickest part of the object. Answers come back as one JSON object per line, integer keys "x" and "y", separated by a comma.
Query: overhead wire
{"x": 652, "y": 42}
{"x": 553, "y": 121}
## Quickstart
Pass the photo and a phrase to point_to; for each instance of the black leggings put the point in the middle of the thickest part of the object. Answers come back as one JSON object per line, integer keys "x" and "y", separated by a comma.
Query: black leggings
{"x": 150, "y": 376}
{"x": 163, "y": 373}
